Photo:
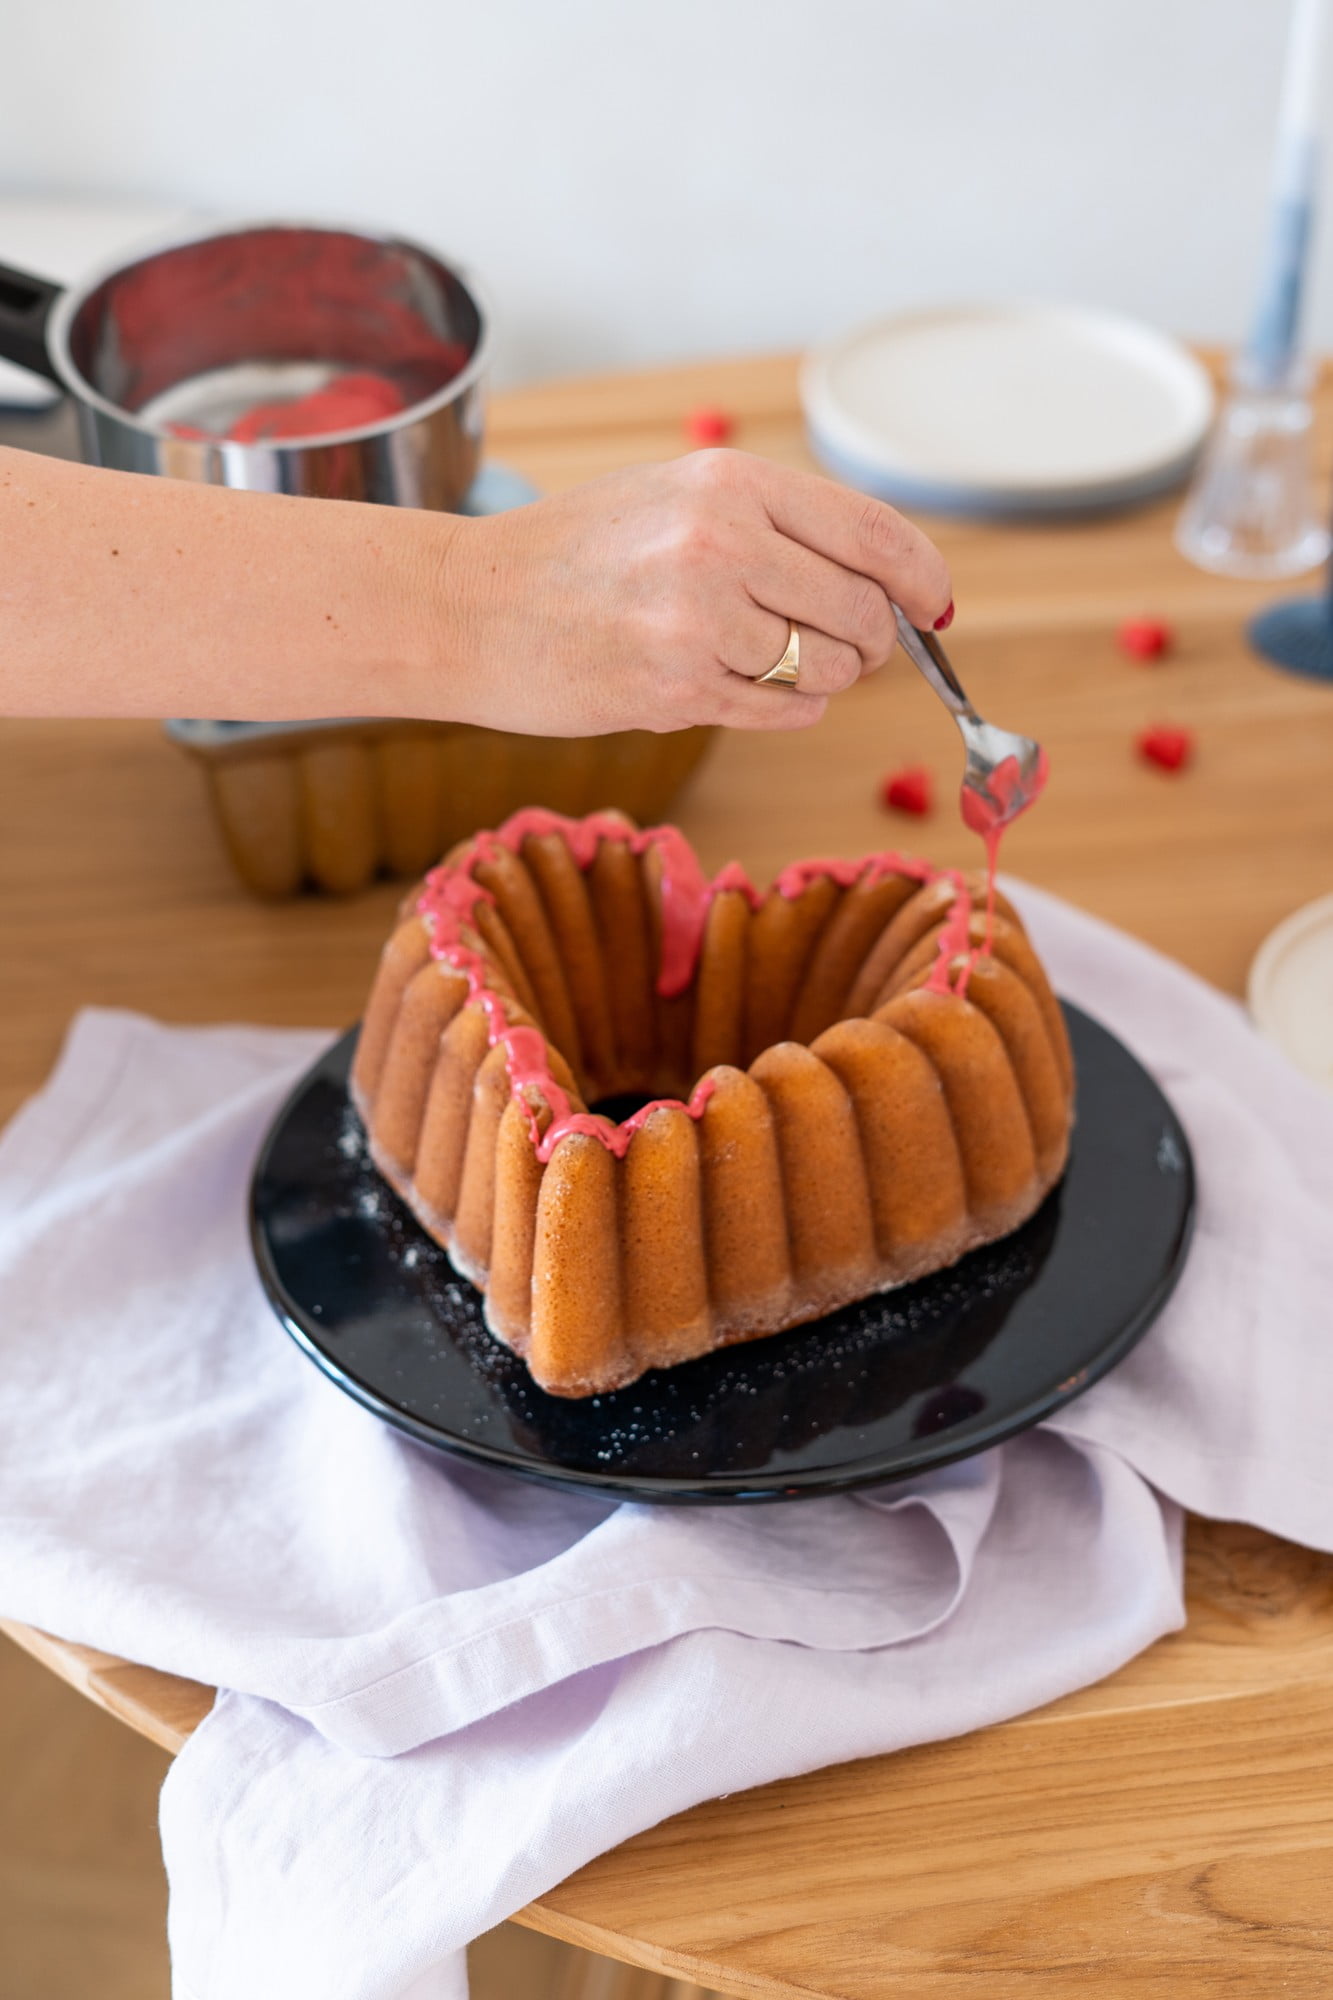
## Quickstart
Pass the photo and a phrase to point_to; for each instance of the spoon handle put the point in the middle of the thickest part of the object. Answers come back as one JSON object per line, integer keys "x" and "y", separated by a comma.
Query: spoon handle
{"x": 925, "y": 652}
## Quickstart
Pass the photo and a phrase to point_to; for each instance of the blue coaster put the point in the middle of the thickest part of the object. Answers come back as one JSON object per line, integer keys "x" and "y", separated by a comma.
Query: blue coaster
{"x": 496, "y": 488}
{"x": 1297, "y": 635}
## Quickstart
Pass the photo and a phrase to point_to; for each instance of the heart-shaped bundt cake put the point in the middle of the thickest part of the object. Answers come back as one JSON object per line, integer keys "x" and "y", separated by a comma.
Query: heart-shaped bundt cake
{"x": 650, "y": 1114}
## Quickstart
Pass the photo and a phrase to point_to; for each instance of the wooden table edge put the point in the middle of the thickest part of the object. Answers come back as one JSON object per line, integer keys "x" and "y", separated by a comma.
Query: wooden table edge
{"x": 165, "y": 1708}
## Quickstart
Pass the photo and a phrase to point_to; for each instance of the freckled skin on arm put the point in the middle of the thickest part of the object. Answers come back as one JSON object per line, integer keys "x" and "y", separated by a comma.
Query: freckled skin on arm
{"x": 127, "y": 595}
{"x": 653, "y": 599}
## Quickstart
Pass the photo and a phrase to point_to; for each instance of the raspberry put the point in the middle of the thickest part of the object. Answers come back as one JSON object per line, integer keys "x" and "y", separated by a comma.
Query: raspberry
{"x": 708, "y": 426}
{"x": 1144, "y": 638}
{"x": 1170, "y": 748}
{"x": 907, "y": 791}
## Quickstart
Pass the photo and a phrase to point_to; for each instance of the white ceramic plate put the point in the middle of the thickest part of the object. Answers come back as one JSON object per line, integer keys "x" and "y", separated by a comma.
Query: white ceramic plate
{"x": 1291, "y": 988}
{"x": 1007, "y": 409}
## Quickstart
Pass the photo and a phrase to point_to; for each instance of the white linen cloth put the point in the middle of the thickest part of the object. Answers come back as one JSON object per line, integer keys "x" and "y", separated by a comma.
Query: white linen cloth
{"x": 446, "y": 1688}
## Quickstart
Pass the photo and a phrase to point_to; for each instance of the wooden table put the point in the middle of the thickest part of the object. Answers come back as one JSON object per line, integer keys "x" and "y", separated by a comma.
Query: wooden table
{"x": 1168, "y": 1832}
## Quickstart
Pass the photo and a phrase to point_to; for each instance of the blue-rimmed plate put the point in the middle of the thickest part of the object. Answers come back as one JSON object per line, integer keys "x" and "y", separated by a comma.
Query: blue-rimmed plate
{"x": 1007, "y": 409}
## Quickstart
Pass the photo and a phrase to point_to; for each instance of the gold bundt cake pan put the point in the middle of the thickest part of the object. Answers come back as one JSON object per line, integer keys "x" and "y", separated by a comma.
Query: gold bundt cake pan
{"x": 852, "y": 1123}
{"x": 332, "y": 805}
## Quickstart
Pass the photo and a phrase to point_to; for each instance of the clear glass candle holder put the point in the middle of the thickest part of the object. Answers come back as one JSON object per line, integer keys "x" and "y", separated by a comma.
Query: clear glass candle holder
{"x": 1252, "y": 509}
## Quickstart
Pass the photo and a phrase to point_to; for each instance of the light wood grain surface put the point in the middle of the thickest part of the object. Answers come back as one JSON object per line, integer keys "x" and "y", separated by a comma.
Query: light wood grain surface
{"x": 1169, "y": 1831}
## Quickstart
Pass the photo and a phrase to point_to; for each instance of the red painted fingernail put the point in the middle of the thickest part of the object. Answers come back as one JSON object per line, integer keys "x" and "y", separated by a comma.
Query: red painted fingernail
{"x": 943, "y": 623}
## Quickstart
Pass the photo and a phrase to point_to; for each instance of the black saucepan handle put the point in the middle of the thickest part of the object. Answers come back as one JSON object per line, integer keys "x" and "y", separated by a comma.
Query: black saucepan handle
{"x": 25, "y": 307}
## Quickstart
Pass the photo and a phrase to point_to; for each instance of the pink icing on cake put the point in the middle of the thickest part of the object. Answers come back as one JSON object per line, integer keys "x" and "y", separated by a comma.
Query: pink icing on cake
{"x": 451, "y": 894}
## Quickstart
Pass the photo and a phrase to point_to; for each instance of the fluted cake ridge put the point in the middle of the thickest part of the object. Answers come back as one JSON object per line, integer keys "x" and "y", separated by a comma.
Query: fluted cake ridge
{"x": 840, "y": 1084}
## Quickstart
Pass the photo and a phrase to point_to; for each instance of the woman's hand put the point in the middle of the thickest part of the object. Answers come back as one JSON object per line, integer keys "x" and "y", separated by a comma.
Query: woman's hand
{"x": 655, "y": 598}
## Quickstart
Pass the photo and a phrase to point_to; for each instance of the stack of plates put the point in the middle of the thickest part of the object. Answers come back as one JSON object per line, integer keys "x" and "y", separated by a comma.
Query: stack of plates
{"x": 1007, "y": 409}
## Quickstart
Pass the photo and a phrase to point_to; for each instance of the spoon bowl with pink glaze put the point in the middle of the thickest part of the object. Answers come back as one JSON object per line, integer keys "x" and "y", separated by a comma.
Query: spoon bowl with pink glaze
{"x": 1005, "y": 772}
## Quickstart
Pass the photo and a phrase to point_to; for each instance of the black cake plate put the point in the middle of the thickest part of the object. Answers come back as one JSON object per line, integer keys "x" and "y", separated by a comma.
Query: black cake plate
{"x": 885, "y": 1388}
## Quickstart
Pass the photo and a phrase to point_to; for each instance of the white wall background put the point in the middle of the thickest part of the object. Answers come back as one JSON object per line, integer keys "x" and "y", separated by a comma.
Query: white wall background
{"x": 639, "y": 182}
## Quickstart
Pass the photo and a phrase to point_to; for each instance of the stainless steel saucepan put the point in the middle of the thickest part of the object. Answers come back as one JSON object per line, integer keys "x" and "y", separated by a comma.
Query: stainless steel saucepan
{"x": 167, "y": 353}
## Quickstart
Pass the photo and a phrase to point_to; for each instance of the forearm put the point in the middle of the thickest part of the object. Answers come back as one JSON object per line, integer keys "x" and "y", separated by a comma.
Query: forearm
{"x": 655, "y": 598}
{"x": 127, "y": 595}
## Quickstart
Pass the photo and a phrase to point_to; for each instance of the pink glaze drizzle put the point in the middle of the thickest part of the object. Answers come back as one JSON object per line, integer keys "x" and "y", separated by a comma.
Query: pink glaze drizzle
{"x": 451, "y": 895}
{"x": 1006, "y": 783}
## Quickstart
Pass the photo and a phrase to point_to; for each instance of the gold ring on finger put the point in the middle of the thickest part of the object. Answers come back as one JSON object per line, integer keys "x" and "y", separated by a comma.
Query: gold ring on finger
{"x": 787, "y": 672}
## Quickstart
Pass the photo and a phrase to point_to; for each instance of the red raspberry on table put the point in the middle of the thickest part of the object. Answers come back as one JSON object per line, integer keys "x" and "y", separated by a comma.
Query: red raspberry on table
{"x": 709, "y": 425}
{"x": 908, "y": 791}
{"x": 1169, "y": 748}
{"x": 1145, "y": 638}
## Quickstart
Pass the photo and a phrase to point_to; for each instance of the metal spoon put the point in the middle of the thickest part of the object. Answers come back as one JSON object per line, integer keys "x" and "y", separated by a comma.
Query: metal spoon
{"x": 987, "y": 747}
